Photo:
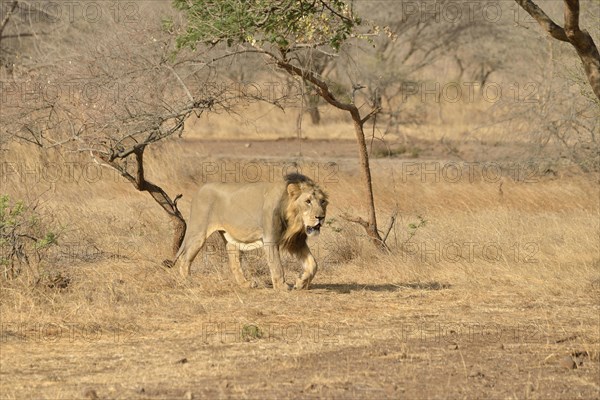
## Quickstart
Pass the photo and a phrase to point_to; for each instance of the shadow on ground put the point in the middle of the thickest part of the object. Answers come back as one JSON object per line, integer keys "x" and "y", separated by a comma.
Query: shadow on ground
{"x": 387, "y": 287}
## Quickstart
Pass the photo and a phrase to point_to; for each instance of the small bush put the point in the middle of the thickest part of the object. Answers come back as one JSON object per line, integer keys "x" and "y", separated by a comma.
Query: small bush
{"x": 251, "y": 332}
{"x": 24, "y": 236}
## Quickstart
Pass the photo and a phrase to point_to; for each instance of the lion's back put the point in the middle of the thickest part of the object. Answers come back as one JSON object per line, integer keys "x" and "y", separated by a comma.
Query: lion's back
{"x": 231, "y": 202}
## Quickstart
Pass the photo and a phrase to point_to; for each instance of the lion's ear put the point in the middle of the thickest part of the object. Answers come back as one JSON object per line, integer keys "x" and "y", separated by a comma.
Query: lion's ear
{"x": 293, "y": 190}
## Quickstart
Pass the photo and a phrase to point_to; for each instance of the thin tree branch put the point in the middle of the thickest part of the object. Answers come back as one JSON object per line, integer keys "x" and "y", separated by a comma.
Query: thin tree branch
{"x": 357, "y": 220}
{"x": 390, "y": 225}
{"x": 581, "y": 40}
{"x": 556, "y": 31}
{"x": 374, "y": 111}
{"x": 7, "y": 17}
{"x": 185, "y": 88}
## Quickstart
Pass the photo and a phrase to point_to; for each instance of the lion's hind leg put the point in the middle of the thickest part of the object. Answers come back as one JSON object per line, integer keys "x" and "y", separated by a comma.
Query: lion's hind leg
{"x": 189, "y": 250}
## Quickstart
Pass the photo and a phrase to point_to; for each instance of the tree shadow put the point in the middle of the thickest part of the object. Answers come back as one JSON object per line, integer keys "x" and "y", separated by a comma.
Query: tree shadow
{"x": 386, "y": 287}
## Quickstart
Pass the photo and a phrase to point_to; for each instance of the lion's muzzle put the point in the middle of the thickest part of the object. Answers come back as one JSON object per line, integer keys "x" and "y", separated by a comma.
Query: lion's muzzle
{"x": 314, "y": 230}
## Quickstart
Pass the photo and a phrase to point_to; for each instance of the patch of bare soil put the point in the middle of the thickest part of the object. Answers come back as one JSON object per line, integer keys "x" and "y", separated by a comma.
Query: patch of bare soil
{"x": 343, "y": 341}
{"x": 372, "y": 326}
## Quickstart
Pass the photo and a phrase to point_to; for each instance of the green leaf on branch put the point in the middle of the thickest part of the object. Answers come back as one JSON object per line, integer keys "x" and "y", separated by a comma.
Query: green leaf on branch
{"x": 284, "y": 24}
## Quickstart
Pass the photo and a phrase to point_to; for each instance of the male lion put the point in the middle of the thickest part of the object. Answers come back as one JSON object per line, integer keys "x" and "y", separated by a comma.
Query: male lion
{"x": 274, "y": 215}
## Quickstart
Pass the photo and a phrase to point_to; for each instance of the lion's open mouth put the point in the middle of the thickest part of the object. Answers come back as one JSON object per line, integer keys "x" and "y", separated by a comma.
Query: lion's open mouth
{"x": 313, "y": 230}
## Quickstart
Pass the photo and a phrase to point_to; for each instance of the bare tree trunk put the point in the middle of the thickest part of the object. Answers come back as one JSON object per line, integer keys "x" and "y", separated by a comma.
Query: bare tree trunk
{"x": 584, "y": 44}
{"x": 571, "y": 33}
{"x": 313, "y": 109}
{"x": 323, "y": 91}
{"x": 157, "y": 193}
{"x": 179, "y": 227}
{"x": 371, "y": 225}
{"x": 6, "y": 18}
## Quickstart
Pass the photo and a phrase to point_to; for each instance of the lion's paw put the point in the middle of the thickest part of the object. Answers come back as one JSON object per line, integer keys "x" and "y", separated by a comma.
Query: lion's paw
{"x": 301, "y": 284}
{"x": 282, "y": 287}
{"x": 245, "y": 284}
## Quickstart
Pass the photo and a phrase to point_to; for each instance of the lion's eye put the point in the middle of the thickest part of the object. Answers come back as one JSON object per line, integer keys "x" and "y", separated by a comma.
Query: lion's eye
{"x": 308, "y": 201}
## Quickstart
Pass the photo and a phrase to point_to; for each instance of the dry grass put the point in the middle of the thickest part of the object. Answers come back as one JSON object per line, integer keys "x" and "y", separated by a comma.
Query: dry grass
{"x": 261, "y": 121}
{"x": 485, "y": 300}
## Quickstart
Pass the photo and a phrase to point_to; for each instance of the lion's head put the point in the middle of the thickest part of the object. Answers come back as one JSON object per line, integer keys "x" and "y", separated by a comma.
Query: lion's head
{"x": 305, "y": 210}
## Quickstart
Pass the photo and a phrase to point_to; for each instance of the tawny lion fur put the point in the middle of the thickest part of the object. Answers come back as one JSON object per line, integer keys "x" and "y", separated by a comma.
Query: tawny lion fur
{"x": 278, "y": 216}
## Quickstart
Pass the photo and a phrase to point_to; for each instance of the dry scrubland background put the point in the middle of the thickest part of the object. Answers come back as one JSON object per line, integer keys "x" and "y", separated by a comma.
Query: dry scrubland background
{"x": 491, "y": 287}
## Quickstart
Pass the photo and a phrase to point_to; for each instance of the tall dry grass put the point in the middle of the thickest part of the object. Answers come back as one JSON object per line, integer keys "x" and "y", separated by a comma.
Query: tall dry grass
{"x": 535, "y": 238}
{"x": 499, "y": 252}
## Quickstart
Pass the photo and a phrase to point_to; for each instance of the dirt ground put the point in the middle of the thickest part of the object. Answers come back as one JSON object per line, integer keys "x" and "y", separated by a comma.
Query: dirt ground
{"x": 398, "y": 347}
{"x": 373, "y": 325}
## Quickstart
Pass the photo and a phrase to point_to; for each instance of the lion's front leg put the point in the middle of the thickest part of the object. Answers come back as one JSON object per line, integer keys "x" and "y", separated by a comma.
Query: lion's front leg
{"x": 274, "y": 261}
{"x": 309, "y": 265}
{"x": 233, "y": 253}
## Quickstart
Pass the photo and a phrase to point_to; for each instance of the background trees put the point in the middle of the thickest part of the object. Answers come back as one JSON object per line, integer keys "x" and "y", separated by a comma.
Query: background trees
{"x": 571, "y": 33}
{"x": 290, "y": 35}
{"x": 109, "y": 96}
{"x": 103, "y": 80}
